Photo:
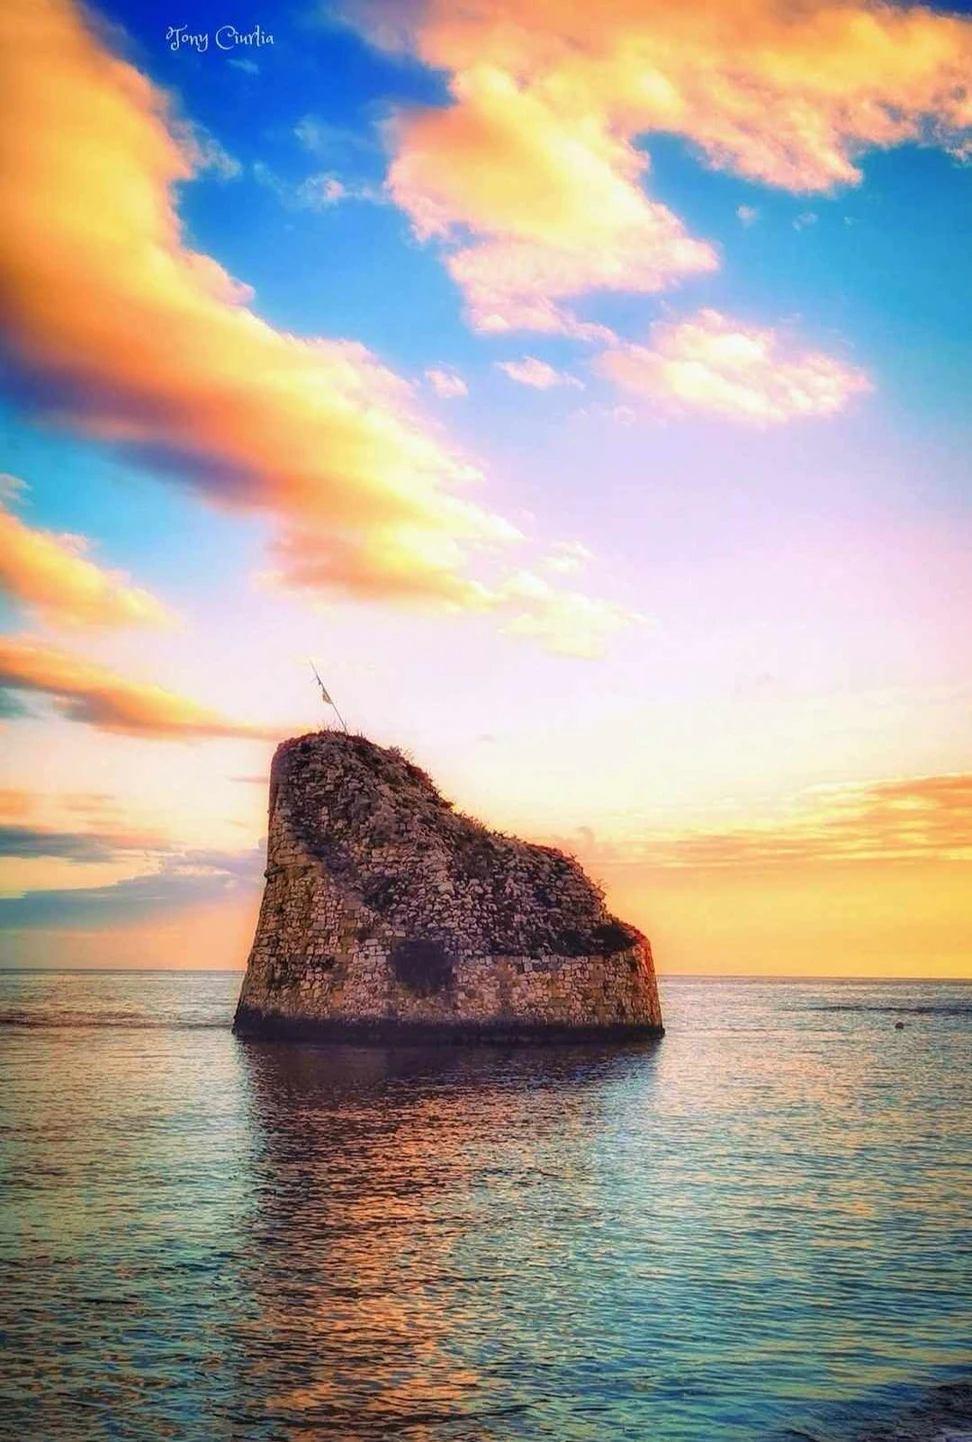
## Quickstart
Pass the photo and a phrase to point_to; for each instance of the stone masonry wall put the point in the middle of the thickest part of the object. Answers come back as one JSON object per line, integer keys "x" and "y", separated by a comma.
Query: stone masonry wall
{"x": 388, "y": 915}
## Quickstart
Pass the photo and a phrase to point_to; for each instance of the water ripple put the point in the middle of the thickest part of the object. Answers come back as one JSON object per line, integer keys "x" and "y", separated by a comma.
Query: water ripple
{"x": 755, "y": 1229}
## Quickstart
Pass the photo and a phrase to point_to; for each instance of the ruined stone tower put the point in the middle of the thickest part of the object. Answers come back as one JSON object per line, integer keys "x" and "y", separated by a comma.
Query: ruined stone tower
{"x": 388, "y": 916}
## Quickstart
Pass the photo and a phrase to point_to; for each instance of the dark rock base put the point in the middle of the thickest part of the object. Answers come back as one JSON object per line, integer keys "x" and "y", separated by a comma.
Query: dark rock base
{"x": 256, "y": 1025}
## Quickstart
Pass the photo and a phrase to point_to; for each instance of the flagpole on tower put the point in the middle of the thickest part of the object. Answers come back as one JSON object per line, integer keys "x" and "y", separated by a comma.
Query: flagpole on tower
{"x": 326, "y": 697}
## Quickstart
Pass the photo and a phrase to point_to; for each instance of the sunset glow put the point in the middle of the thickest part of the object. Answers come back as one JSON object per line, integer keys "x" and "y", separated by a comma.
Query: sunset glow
{"x": 582, "y": 389}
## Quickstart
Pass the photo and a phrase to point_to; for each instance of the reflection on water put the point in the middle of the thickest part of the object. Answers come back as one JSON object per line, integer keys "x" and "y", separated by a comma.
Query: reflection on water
{"x": 424, "y": 1194}
{"x": 757, "y": 1224}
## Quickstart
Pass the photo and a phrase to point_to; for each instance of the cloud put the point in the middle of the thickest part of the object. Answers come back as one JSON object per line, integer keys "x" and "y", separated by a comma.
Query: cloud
{"x": 12, "y": 708}
{"x": 617, "y": 415}
{"x": 712, "y": 363}
{"x": 326, "y": 140}
{"x": 204, "y": 152}
{"x": 192, "y": 878}
{"x": 144, "y": 341}
{"x": 93, "y": 695}
{"x": 147, "y": 344}
{"x": 27, "y": 842}
{"x": 748, "y": 214}
{"x": 536, "y": 373}
{"x": 535, "y": 168}
{"x": 567, "y": 622}
{"x": 16, "y": 803}
{"x": 554, "y": 201}
{"x": 90, "y": 803}
{"x": 319, "y": 191}
{"x": 915, "y": 819}
{"x": 51, "y": 574}
{"x": 448, "y": 385}
{"x": 81, "y": 826}
{"x": 566, "y": 557}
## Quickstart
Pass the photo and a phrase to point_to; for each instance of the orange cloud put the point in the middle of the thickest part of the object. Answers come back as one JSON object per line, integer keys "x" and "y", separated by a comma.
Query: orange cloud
{"x": 534, "y": 165}
{"x": 924, "y": 818}
{"x": 145, "y": 342}
{"x": 53, "y": 576}
{"x": 15, "y": 803}
{"x": 87, "y": 692}
{"x": 746, "y": 373}
{"x": 554, "y": 198}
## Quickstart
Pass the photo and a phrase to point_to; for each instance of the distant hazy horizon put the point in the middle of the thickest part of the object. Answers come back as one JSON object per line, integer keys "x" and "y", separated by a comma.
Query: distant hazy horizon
{"x": 771, "y": 979}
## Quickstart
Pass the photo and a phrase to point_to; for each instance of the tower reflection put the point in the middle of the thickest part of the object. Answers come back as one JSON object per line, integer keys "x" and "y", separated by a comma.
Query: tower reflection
{"x": 379, "y": 1290}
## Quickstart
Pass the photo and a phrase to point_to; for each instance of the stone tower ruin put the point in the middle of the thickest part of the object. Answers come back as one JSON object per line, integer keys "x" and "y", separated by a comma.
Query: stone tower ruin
{"x": 390, "y": 917}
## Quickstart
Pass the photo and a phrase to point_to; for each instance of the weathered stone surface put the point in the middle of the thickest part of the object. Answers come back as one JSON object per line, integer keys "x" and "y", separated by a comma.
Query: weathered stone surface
{"x": 388, "y": 916}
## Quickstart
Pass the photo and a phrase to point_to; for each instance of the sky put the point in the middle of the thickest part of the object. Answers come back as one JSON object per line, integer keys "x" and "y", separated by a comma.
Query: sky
{"x": 582, "y": 388}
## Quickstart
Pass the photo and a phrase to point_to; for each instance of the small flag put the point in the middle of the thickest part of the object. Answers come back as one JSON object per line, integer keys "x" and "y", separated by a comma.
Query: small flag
{"x": 326, "y": 697}
{"x": 320, "y": 683}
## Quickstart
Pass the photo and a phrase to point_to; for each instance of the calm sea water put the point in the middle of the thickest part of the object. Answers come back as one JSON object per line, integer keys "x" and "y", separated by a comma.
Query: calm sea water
{"x": 758, "y": 1228}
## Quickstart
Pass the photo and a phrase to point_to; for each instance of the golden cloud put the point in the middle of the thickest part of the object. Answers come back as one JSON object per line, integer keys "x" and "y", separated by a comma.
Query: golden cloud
{"x": 51, "y": 574}
{"x": 146, "y": 342}
{"x": 712, "y": 363}
{"x": 554, "y": 198}
{"x": 116, "y": 325}
{"x": 535, "y": 159}
{"x": 89, "y": 693}
{"x": 914, "y": 819}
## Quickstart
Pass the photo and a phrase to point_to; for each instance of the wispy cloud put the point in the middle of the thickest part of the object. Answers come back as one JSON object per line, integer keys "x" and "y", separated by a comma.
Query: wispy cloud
{"x": 319, "y": 191}
{"x": 329, "y": 141}
{"x": 93, "y": 695}
{"x": 536, "y": 373}
{"x": 204, "y": 153}
{"x": 87, "y": 827}
{"x": 568, "y": 623}
{"x": 191, "y": 878}
{"x": 447, "y": 384}
{"x": 710, "y": 362}
{"x": 567, "y": 557}
{"x": 28, "y": 842}
{"x": 52, "y": 574}
{"x": 924, "y": 818}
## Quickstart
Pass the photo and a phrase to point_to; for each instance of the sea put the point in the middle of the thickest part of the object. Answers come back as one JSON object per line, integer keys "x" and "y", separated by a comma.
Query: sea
{"x": 758, "y": 1227}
